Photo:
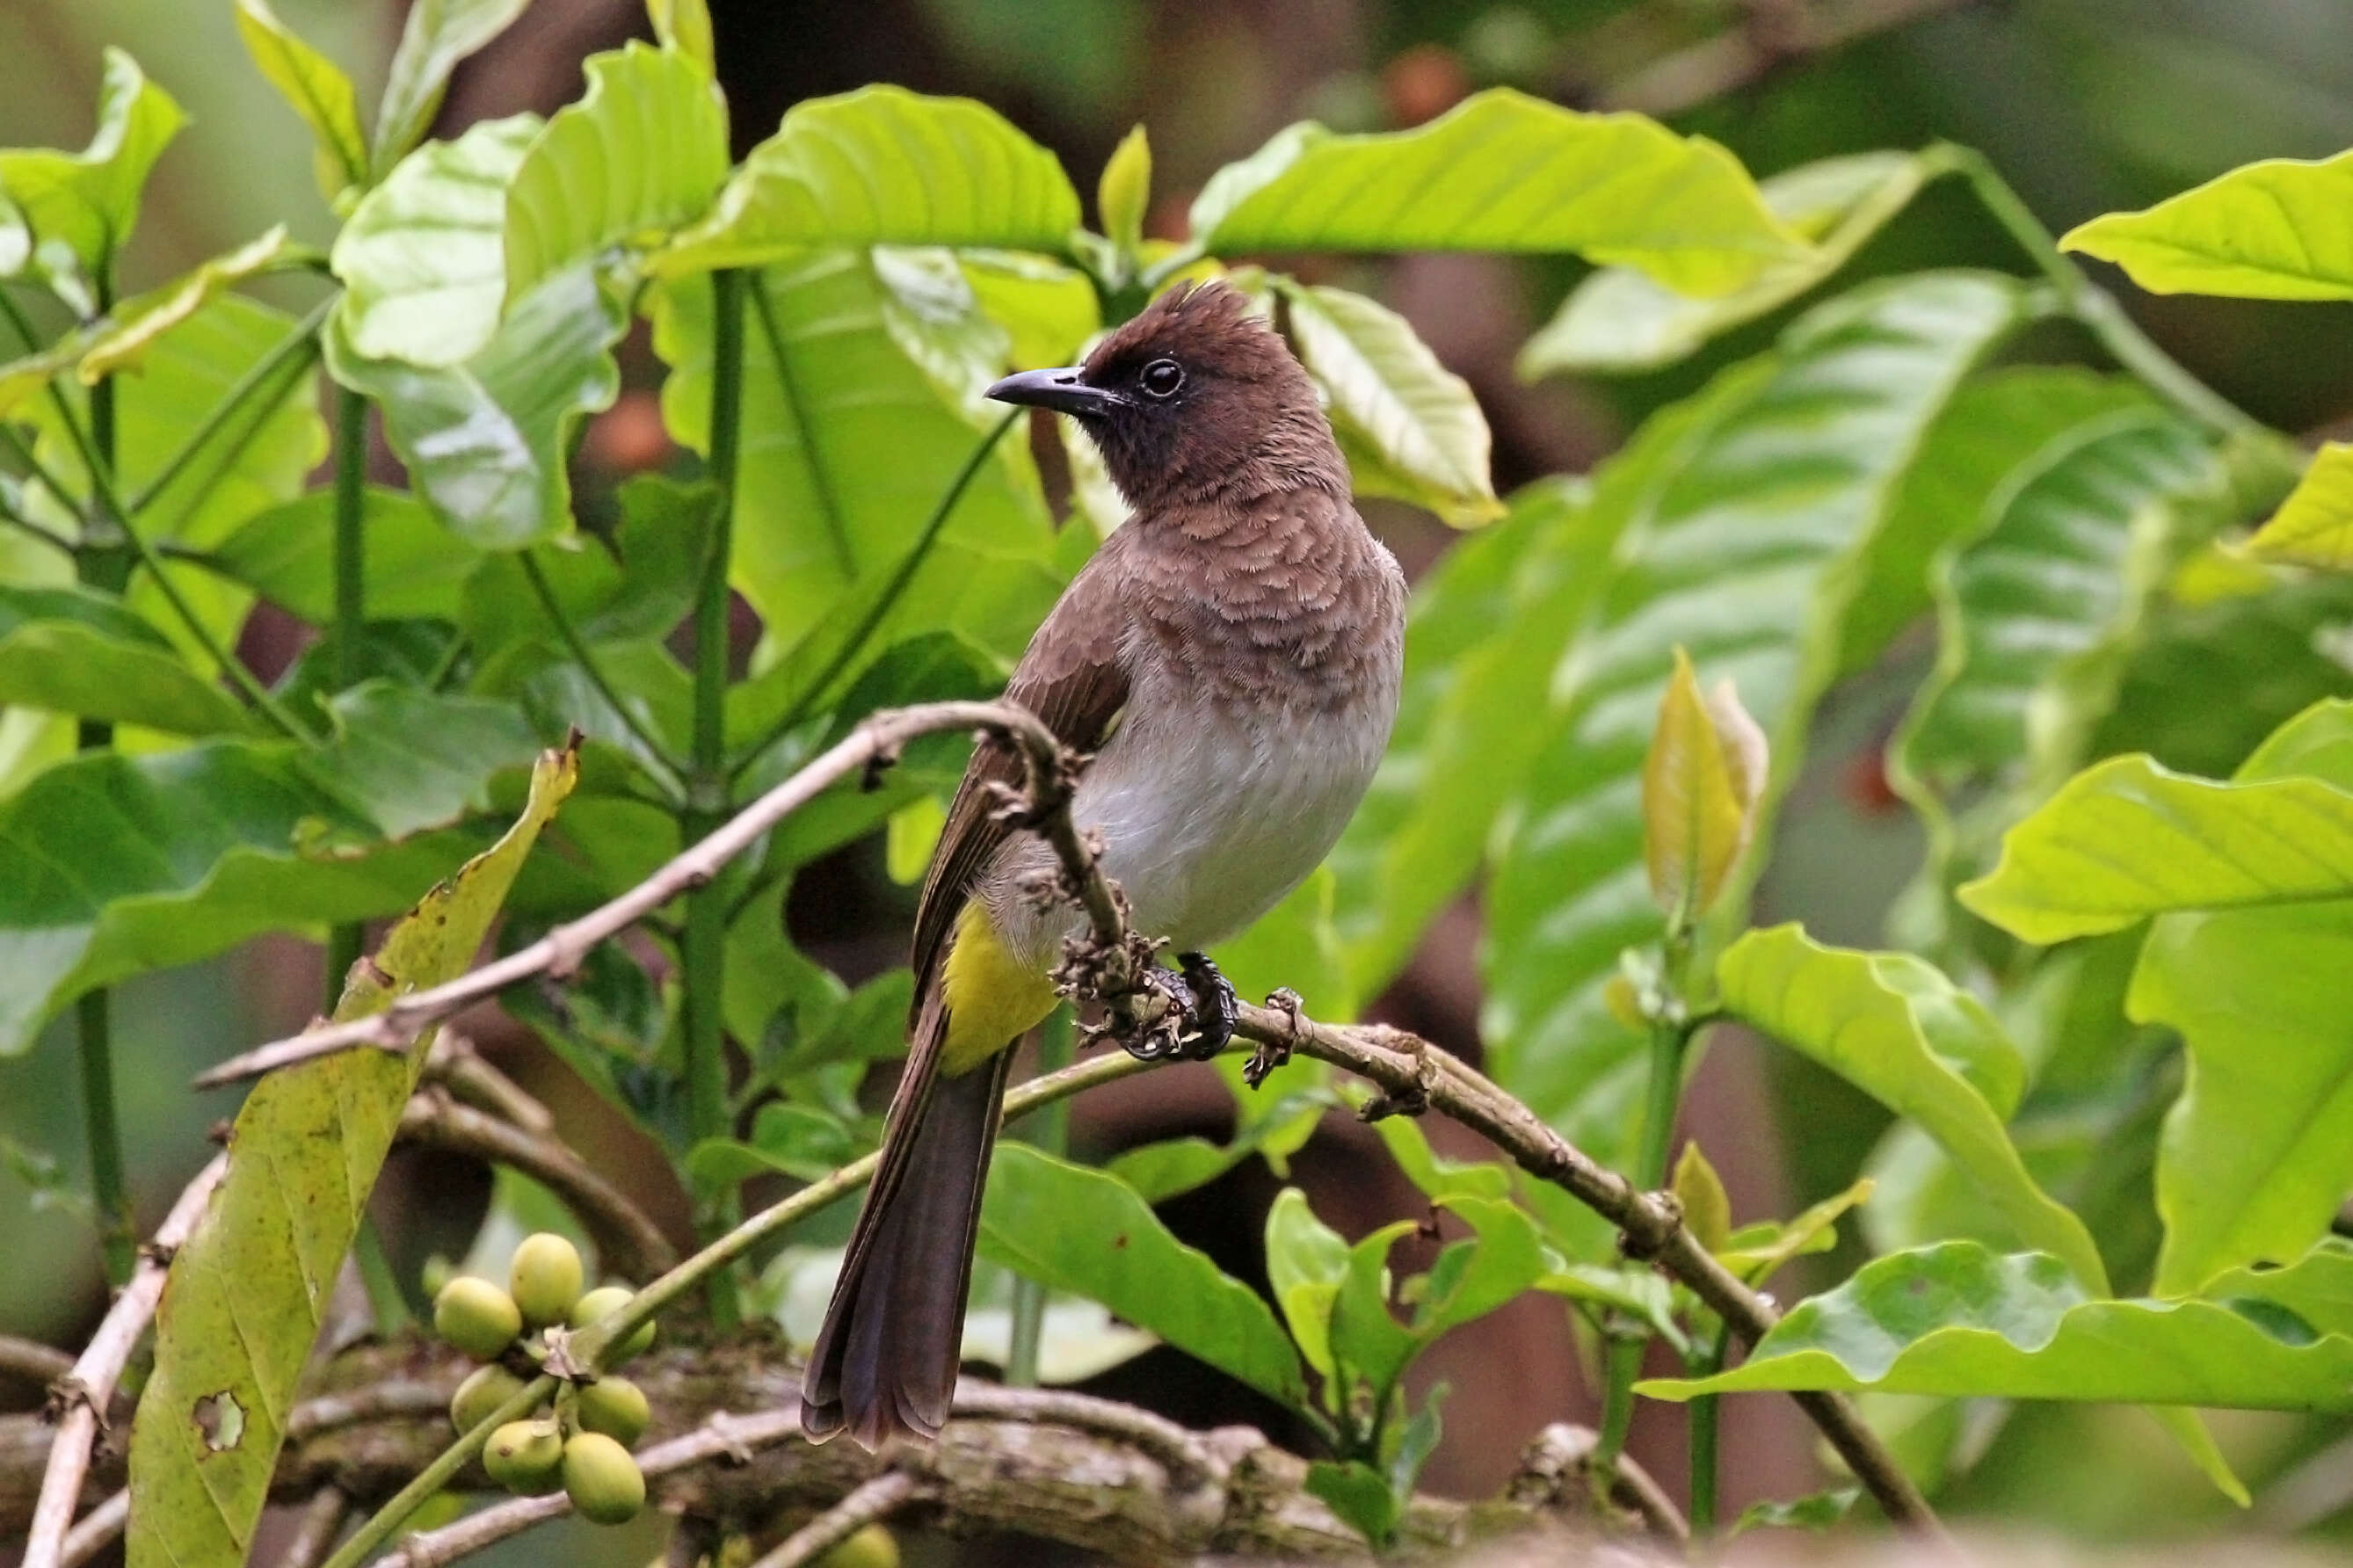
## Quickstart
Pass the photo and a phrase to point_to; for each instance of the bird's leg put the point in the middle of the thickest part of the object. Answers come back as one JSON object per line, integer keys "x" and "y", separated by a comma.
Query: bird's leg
{"x": 1210, "y": 1020}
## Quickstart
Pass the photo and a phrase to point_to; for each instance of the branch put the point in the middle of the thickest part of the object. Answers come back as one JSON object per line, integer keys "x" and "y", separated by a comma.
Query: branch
{"x": 1775, "y": 38}
{"x": 98, "y": 1530}
{"x": 33, "y": 1362}
{"x": 91, "y": 1383}
{"x": 874, "y": 744}
{"x": 631, "y": 1245}
{"x": 872, "y": 1503}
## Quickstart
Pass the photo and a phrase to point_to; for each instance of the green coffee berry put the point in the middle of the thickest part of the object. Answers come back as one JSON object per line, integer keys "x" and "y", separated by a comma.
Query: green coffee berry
{"x": 546, "y": 1279}
{"x": 526, "y": 1456}
{"x": 479, "y": 1398}
{"x": 605, "y": 1483}
{"x": 615, "y": 1406}
{"x": 477, "y": 1317}
{"x": 872, "y": 1547}
{"x": 603, "y": 1302}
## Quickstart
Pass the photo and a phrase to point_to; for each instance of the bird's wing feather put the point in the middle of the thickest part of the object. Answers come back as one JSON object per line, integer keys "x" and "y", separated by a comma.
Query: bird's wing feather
{"x": 1072, "y": 678}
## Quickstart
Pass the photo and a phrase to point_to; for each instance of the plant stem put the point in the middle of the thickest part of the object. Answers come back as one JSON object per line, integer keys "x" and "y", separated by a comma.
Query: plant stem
{"x": 1050, "y": 1129}
{"x": 1704, "y": 1414}
{"x": 902, "y": 575}
{"x": 2086, "y": 302}
{"x": 591, "y": 1343}
{"x": 298, "y": 344}
{"x": 345, "y": 942}
{"x": 702, "y": 951}
{"x": 665, "y": 767}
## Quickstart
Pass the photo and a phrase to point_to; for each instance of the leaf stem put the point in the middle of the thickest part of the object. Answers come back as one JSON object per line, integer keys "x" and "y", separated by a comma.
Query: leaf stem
{"x": 1049, "y": 1129}
{"x": 296, "y": 345}
{"x": 829, "y": 505}
{"x": 345, "y": 941}
{"x": 901, "y": 574}
{"x": 703, "y": 950}
{"x": 666, "y": 768}
{"x": 1706, "y": 1418}
{"x": 2088, "y": 304}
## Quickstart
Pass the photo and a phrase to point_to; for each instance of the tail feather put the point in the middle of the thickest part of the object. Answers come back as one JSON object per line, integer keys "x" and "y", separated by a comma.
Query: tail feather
{"x": 885, "y": 1363}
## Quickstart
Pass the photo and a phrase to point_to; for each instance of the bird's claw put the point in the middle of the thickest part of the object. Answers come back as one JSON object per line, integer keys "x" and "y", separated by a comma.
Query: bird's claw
{"x": 1199, "y": 1021}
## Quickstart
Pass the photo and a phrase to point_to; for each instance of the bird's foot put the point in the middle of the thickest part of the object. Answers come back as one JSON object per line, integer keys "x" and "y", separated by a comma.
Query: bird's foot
{"x": 1272, "y": 1053}
{"x": 1197, "y": 1017}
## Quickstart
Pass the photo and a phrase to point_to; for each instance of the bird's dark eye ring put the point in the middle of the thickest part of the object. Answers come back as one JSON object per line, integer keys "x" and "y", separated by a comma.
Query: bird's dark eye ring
{"x": 1162, "y": 378}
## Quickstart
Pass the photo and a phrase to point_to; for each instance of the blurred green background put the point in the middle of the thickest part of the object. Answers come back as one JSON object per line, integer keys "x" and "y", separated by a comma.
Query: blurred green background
{"x": 2084, "y": 105}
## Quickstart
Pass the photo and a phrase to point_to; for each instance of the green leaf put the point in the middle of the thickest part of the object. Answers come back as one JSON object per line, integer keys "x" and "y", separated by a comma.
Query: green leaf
{"x": 79, "y": 208}
{"x": 786, "y": 1139}
{"x": 1432, "y": 1175}
{"x": 423, "y": 259}
{"x": 315, "y": 88}
{"x": 1502, "y": 170}
{"x": 2271, "y": 230}
{"x": 1816, "y": 1511}
{"x": 73, "y": 650}
{"x": 250, "y": 1287}
{"x": 1695, "y": 801}
{"x": 848, "y": 448}
{"x": 2126, "y": 839}
{"x": 1074, "y": 1230}
{"x": 2258, "y": 1151}
{"x": 1409, "y": 425}
{"x": 638, "y": 582}
{"x": 1369, "y": 1346}
{"x": 1897, "y": 1029}
{"x": 883, "y": 167}
{"x": 1707, "y": 1209}
{"x": 1359, "y": 1495}
{"x": 1174, "y": 1166}
{"x": 1742, "y": 539}
{"x": 685, "y": 26}
{"x": 487, "y": 443}
{"x": 1123, "y": 194}
{"x": 1305, "y": 1261}
{"x": 261, "y": 835}
{"x": 435, "y": 39}
{"x": 2315, "y": 526}
{"x": 641, "y": 155}
{"x": 412, "y": 566}
{"x": 1048, "y": 310}
{"x": 1992, "y": 426}
{"x": 1961, "y": 1321}
{"x": 125, "y": 341}
{"x": 1619, "y": 320}
{"x": 1756, "y": 1252}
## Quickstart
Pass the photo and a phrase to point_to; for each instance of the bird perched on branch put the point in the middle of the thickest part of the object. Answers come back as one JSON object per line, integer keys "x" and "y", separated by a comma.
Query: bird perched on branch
{"x": 1231, "y": 657}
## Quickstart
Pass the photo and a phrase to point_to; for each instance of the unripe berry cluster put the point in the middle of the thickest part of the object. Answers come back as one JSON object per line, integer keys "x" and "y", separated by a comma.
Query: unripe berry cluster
{"x": 583, "y": 1445}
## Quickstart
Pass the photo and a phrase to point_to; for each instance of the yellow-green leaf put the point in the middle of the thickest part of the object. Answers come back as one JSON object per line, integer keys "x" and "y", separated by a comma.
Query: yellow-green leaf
{"x": 2280, "y": 229}
{"x": 2314, "y": 527}
{"x": 1124, "y": 193}
{"x": 1502, "y": 171}
{"x": 1707, "y": 1210}
{"x": 86, "y": 203}
{"x": 246, "y": 1294}
{"x": 1694, "y": 824}
{"x": 123, "y": 343}
{"x": 316, "y": 89}
{"x": 685, "y": 26}
{"x": 437, "y": 38}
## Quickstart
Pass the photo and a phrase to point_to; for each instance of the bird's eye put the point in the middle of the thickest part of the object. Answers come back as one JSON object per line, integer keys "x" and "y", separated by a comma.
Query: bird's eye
{"x": 1162, "y": 378}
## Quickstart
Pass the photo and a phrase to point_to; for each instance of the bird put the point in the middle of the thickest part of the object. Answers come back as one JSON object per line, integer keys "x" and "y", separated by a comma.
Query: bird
{"x": 1230, "y": 657}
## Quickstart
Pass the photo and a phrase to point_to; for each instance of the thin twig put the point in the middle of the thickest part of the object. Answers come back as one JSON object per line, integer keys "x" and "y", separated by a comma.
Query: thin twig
{"x": 1743, "y": 55}
{"x": 458, "y": 1066}
{"x": 630, "y": 1244}
{"x": 872, "y": 1503}
{"x": 91, "y": 1383}
{"x": 314, "y": 1536}
{"x": 98, "y": 1530}
{"x": 665, "y": 768}
{"x": 875, "y": 743}
{"x": 377, "y": 1402}
{"x": 34, "y": 1362}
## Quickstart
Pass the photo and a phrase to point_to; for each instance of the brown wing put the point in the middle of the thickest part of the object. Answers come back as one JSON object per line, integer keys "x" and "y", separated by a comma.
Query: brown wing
{"x": 1071, "y": 676}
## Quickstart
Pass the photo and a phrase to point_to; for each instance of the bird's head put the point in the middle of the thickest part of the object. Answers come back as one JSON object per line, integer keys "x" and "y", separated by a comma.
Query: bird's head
{"x": 1194, "y": 399}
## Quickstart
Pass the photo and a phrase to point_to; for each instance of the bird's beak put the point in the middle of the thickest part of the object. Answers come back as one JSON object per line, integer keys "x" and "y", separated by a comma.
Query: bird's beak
{"x": 1061, "y": 390}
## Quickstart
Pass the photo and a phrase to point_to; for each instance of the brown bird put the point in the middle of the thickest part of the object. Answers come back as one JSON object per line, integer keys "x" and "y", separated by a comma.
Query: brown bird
{"x": 1231, "y": 657}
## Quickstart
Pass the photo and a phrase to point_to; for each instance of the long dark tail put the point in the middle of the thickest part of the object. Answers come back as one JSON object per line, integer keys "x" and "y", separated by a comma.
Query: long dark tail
{"x": 885, "y": 1362}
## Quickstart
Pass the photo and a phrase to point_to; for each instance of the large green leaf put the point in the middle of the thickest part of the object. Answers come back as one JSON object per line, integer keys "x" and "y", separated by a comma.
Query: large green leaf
{"x": 435, "y": 39}
{"x": 1620, "y": 320}
{"x": 249, "y": 1289}
{"x": 487, "y": 442}
{"x": 2041, "y": 609}
{"x": 72, "y": 650}
{"x": 883, "y": 167}
{"x": 1743, "y": 544}
{"x": 1961, "y": 1321}
{"x": 1075, "y": 1229}
{"x": 115, "y": 865}
{"x": 315, "y": 88}
{"x": 411, "y": 566}
{"x": 641, "y": 155}
{"x": 2272, "y": 230}
{"x": 2258, "y": 1151}
{"x": 2314, "y": 527}
{"x": 1993, "y": 425}
{"x": 423, "y": 259}
{"x": 848, "y": 447}
{"x": 80, "y": 207}
{"x": 1502, "y": 170}
{"x": 1409, "y": 425}
{"x": 1896, "y": 1028}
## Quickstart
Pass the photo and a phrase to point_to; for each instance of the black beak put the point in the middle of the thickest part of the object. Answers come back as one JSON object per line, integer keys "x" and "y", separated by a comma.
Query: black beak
{"x": 1061, "y": 390}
